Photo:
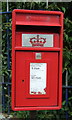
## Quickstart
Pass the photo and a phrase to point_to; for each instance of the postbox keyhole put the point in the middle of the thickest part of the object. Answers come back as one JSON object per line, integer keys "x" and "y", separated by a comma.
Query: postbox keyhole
{"x": 22, "y": 80}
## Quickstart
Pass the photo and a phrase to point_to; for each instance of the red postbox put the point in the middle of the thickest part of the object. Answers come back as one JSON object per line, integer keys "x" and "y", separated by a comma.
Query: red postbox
{"x": 37, "y": 41}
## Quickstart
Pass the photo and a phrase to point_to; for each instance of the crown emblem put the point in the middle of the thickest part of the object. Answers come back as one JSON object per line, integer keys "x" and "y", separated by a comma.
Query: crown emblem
{"x": 37, "y": 41}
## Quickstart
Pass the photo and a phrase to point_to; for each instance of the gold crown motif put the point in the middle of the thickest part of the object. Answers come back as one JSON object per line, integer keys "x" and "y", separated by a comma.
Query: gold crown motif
{"x": 36, "y": 41}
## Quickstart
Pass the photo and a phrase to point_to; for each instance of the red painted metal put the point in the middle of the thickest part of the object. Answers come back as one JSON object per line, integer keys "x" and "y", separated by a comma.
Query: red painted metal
{"x": 36, "y": 22}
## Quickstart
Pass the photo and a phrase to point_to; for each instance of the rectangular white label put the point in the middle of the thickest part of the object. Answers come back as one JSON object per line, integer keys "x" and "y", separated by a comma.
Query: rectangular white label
{"x": 38, "y": 78}
{"x": 37, "y": 40}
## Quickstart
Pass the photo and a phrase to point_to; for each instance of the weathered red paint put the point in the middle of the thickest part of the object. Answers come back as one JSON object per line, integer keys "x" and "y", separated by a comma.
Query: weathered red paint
{"x": 39, "y": 22}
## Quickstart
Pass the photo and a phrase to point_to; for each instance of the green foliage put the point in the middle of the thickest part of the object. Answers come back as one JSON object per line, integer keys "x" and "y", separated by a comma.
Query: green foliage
{"x": 21, "y": 114}
{"x": 67, "y": 55}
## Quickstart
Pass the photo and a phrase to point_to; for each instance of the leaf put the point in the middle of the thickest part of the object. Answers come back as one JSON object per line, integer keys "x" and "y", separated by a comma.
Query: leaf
{"x": 63, "y": 9}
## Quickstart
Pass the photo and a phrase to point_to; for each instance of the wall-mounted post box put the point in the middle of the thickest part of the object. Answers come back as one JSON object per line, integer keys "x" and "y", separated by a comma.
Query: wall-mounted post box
{"x": 37, "y": 41}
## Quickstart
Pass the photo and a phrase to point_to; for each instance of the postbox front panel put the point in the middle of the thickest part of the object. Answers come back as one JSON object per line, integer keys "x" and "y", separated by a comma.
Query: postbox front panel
{"x": 36, "y": 79}
{"x": 37, "y": 60}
